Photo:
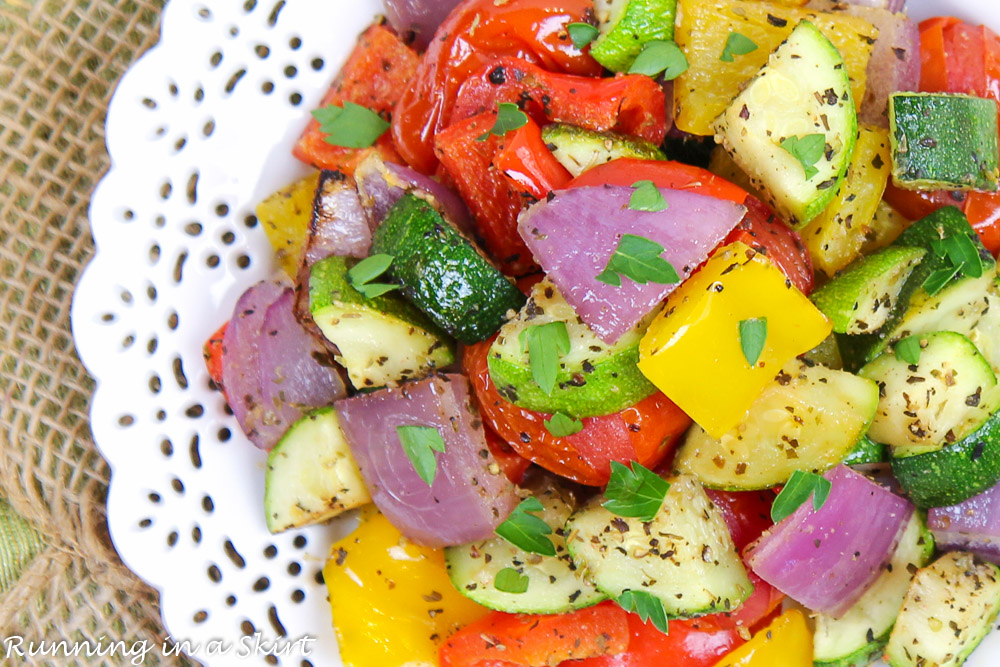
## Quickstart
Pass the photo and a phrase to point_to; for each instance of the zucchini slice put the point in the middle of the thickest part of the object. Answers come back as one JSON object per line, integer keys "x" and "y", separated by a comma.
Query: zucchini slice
{"x": 555, "y": 584}
{"x": 685, "y": 556}
{"x": 802, "y": 96}
{"x": 579, "y": 149}
{"x": 311, "y": 475}
{"x": 948, "y": 610}
{"x": 443, "y": 273}
{"x": 943, "y": 141}
{"x": 865, "y": 452}
{"x": 626, "y": 26}
{"x": 808, "y": 418}
{"x": 862, "y": 298}
{"x": 594, "y": 378}
{"x": 860, "y": 634}
{"x": 380, "y": 341}
{"x": 937, "y": 401}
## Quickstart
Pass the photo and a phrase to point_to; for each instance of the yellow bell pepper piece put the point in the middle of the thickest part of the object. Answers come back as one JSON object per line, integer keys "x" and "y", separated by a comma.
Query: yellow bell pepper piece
{"x": 786, "y": 642}
{"x": 692, "y": 350}
{"x": 285, "y": 217}
{"x": 392, "y": 601}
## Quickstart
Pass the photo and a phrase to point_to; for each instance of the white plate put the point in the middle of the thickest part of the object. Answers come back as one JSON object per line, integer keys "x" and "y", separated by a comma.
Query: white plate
{"x": 199, "y": 131}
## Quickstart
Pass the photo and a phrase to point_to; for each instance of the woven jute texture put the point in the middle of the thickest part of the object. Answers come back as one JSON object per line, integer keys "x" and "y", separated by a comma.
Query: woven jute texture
{"x": 59, "y": 63}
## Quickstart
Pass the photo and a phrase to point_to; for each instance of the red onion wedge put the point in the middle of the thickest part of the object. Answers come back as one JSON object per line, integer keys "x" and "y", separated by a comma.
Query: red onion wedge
{"x": 419, "y": 18}
{"x": 381, "y": 184}
{"x": 272, "y": 369}
{"x": 469, "y": 496}
{"x": 826, "y": 559}
{"x": 972, "y": 525}
{"x": 895, "y": 61}
{"x": 574, "y": 233}
{"x": 339, "y": 225}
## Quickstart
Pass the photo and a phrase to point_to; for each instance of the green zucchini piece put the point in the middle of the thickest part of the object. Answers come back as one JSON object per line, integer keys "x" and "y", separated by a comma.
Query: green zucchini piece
{"x": 861, "y": 298}
{"x": 939, "y": 400}
{"x": 311, "y": 475}
{"x": 808, "y": 418}
{"x": 802, "y": 93}
{"x": 685, "y": 556}
{"x": 555, "y": 584}
{"x": 579, "y": 149}
{"x": 443, "y": 273}
{"x": 626, "y": 26}
{"x": 958, "y": 306}
{"x": 380, "y": 341}
{"x": 825, "y": 354}
{"x": 949, "y": 608}
{"x": 943, "y": 141}
{"x": 594, "y": 378}
{"x": 865, "y": 452}
{"x": 859, "y": 635}
{"x": 956, "y": 472}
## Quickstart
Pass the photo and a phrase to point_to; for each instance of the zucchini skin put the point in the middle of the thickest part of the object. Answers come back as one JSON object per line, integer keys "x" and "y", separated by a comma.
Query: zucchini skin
{"x": 444, "y": 274}
{"x": 954, "y": 473}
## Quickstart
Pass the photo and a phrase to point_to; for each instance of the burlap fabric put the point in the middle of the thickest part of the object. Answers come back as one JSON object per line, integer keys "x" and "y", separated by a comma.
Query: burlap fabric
{"x": 59, "y": 63}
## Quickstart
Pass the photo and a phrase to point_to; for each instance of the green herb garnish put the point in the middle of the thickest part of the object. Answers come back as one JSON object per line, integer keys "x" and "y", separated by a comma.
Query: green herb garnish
{"x": 737, "y": 45}
{"x": 527, "y": 531}
{"x": 361, "y": 274}
{"x": 636, "y": 493}
{"x": 908, "y": 350}
{"x": 646, "y": 197}
{"x": 509, "y": 117}
{"x": 509, "y": 580}
{"x": 545, "y": 343}
{"x": 561, "y": 425}
{"x": 350, "y": 126}
{"x": 963, "y": 257}
{"x": 807, "y": 150}
{"x": 753, "y": 335}
{"x": 647, "y": 606}
{"x": 797, "y": 490}
{"x": 660, "y": 57}
{"x": 420, "y": 443}
{"x": 638, "y": 259}
{"x": 582, "y": 34}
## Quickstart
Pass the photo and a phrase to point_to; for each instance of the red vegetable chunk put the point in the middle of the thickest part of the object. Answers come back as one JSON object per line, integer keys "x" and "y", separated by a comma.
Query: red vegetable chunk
{"x": 574, "y": 234}
{"x": 972, "y": 525}
{"x": 417, "y": 19}
{"x": 469, "y": 496}
{"x": 826, "y": 559}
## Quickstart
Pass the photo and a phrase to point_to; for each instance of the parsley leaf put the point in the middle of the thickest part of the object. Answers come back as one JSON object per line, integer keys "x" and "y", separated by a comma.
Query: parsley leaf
{"x": 660, "y": 56}
{"x": 638, "y": 259}
{"x": 737, "y": 45}
{"x": 582, "y": 34}
{"x": 646, "y": 197}
{"x": 545, "y": 343}
{"x": 561, "y": 425}
{"x": 807, "y": 150}
{"x": 963, "y": 257}
{"x": 361, "y": 274}
{"x": 647, "y": 606}
{"x": 797, "y": 490}
{"x": 509, "y": 118}
{"x": 350, "y": 126}
{"x": 527, "y": 531}
{"x": 420, "y": 443}
{"x": 939, "y": 278}
{"x": 509, "y": 580}
{"x": 753, "y": 334}
{"x": 908, "y": 349}
{"x": 634, "y": 493}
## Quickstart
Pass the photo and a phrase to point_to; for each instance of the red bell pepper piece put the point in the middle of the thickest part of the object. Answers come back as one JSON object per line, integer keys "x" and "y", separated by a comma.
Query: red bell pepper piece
{"x": 528, "y": 165}
{"x": 212, "y": 353}
{"x": 538, "y": 641}
{"x": 512, "y": 464}
{"x": 475, "y": 33}
{"x": 632, "y": 104}
{"x": 375, "y": 76}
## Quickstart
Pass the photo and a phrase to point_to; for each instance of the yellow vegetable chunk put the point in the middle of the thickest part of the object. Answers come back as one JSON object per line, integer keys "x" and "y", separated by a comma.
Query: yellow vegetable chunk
{"x": 709, "y": 84}
{"x": 392, "y": 601}
{"x": 786, "y": 642}
{"x": 285, "y": 217}
{"x": 692, "y": 350}
{"x": 835, "y": 237}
